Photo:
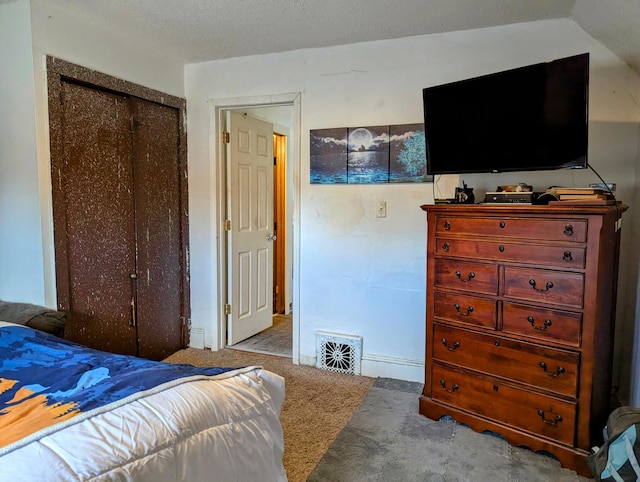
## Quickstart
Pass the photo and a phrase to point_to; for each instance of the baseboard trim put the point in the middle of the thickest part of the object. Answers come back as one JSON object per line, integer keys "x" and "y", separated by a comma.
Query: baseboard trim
{"x": 392, "y": 367}
{"x": 384, "y": 367}
{"x": 308, "y": 360}
{"x": 196, "y": 338}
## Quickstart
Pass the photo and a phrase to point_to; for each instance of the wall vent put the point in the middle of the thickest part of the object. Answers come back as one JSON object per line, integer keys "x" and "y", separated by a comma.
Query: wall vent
{"x": 338, "y": 353}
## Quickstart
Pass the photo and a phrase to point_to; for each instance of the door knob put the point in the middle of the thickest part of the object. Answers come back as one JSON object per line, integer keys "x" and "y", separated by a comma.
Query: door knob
{"x": 272, "y": 237}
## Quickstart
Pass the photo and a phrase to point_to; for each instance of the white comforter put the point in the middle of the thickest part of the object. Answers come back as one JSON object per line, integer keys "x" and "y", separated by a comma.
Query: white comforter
{"x": 225, "y": 429}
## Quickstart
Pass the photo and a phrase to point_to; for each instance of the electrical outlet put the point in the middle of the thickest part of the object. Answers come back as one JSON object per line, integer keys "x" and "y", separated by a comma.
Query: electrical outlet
{"x": 381, "y": 209}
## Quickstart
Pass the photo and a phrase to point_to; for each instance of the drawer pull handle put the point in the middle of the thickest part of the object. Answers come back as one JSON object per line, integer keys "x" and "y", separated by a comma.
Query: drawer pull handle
{"x": 469, "y": 278}
{"x": 496, "y": 343}
{"x": 548, "y": 286}
{"x": 566, "y": 257}
{"x": 501, "y": 248}
{"x": 495, "y": 388}
{"x": 447, "y": 225}
{"x": 469, "y": 310}
{"x": 553, "y": 422}
{"x": 453, "y": 388}
{"x": 445, "y": 247}
{"x": 502, "y": 224}
{"x": 559, "y": 370}
{"x": 568, "y": 230}
{"x": 456, "y": 345}
{"x": 547, "y": 324}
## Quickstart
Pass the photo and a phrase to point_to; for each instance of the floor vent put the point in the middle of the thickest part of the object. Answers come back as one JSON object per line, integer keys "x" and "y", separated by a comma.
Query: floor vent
{"x": 338, "y": 353}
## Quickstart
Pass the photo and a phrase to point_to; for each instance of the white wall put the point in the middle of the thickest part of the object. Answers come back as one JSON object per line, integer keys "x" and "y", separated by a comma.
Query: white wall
{"x": 58, "y": 34}
{"x": 361, "y": 275}
{"x": 21, "y": 260}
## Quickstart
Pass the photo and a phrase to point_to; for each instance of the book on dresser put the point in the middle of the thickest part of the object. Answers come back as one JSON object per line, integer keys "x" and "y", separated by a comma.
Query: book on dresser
{"x": 582, "y": 197}
{"x": 520, "y": 320}
{"x": 579, "y": 191}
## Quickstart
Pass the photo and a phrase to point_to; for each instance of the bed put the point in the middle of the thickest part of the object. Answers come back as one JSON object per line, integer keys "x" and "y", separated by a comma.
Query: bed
{"x": 71, "y": 413}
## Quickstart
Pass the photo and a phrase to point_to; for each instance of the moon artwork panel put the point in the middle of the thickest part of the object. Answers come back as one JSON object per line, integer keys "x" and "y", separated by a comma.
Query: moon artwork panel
{"x": 329, "y": 156}
{"x": 368, "y": 155}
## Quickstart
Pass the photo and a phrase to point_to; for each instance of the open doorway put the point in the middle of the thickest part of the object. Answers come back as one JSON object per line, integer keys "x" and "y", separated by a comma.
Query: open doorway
{"x": 283, "y": 111}
{"x": 279, "y": 222}
{"x": 277, "y": 338}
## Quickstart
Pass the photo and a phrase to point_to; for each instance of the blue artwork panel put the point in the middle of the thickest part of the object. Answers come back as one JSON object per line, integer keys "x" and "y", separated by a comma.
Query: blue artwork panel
{"x": 329, "y": 156}
{"x": 408, "y": 160}
{"x": 368, "y": 155}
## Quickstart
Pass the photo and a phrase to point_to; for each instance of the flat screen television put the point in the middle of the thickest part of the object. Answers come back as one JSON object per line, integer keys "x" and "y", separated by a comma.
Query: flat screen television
{"x": 525, "y": 119}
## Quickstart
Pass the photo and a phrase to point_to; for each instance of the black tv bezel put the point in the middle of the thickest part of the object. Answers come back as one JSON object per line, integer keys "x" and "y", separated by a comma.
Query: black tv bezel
{"x": 580, "y": 162}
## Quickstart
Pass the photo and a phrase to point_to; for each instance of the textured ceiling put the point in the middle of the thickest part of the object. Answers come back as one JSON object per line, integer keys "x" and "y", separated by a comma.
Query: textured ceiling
{"x": 199, "y": 30}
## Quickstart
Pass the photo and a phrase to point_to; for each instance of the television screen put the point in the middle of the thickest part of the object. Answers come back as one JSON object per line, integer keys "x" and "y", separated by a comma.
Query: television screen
{"x": 525, "y": 119}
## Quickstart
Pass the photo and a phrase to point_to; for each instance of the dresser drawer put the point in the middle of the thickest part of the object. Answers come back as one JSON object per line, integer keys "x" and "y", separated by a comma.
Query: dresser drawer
{"x": 542, "y": 324}
{"x": 544, "y": 286}
{"x": 547, "y": 368}
{"x": 465, "y": 309}
{"x": 526, "y": 228}
{"x": 561, "y": 256}
{"x": 463, "y": 275}
{"x": 503, "y": 403}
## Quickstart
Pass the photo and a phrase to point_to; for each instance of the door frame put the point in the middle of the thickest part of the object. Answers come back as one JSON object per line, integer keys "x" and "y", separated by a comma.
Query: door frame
{"x": 218, "y": 109}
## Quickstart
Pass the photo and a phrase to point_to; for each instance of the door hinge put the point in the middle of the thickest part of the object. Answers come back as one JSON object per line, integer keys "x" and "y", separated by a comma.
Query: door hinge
{"x": 185, "y": 322}
{"x": 225, "y": 137}
{"x": 227, "y": 309}
{"x": 227, "y": 224}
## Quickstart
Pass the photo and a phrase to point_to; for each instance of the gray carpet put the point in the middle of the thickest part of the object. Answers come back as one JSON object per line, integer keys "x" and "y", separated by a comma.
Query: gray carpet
{"x": 276, "y": 340}
{"x": 387, "y": 440}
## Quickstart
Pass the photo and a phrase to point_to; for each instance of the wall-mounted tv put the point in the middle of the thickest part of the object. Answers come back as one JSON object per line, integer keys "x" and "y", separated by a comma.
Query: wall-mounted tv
{"x": 525, "y": 119}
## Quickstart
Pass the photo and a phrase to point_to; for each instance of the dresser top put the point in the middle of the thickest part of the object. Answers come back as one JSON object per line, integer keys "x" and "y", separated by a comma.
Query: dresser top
{"x": 540, "y": 210}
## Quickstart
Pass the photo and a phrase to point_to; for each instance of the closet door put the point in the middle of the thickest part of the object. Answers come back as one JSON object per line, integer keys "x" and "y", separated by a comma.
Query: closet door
{"x": 94, "y": 219}
{"x": 157, "y": 188}
{"x": 118, "y": 191}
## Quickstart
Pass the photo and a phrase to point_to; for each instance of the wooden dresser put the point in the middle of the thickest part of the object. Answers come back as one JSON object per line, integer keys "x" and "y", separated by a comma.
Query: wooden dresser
{"x": 520, "y": 315}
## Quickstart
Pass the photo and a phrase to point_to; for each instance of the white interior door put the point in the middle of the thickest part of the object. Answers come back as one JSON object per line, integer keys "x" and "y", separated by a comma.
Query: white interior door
{"x": 250, "y": 239}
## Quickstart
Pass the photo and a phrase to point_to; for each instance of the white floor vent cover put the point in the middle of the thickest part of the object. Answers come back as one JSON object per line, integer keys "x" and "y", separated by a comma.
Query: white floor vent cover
{"x": 338, "y": 353}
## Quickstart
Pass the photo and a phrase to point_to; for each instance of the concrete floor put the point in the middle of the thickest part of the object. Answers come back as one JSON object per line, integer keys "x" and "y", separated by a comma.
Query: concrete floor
{"x": 387, "y": 440}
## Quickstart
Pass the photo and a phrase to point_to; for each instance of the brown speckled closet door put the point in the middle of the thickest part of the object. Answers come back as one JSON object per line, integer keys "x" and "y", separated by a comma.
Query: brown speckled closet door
{"x": 158, "y": 225}
{"x": 118, "y": 225}
{"x": 94, "y": 219}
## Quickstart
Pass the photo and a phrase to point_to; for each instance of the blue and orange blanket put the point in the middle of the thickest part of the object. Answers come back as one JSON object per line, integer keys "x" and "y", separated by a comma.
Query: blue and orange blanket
{"x": 46, "y": 381}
